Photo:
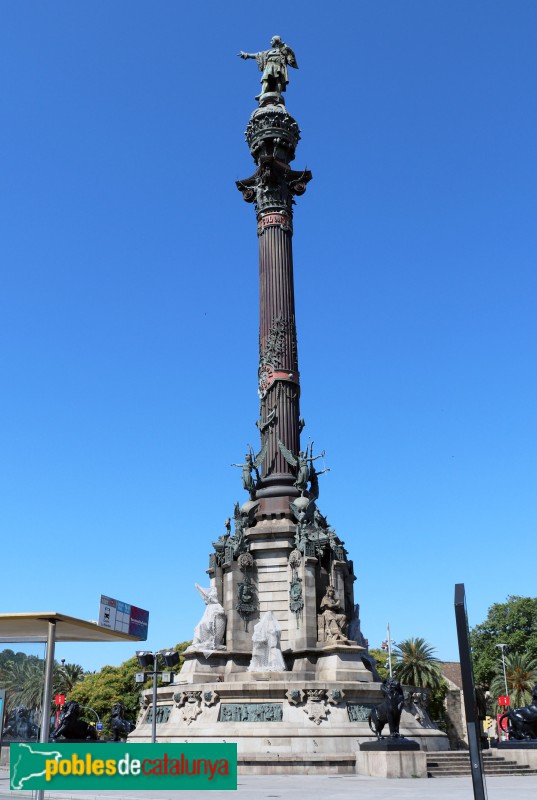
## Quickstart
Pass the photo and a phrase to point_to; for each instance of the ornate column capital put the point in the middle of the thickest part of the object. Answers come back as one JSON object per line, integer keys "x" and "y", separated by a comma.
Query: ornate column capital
{"x": 272, "y": 188}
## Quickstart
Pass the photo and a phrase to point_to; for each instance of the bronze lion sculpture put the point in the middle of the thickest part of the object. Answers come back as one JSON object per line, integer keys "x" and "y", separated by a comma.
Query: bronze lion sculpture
{"x": 389, "y": 711}
{"x": 71, "y": 727}
{"x": 20, "y": 725}
{"x": 119, "y": 726}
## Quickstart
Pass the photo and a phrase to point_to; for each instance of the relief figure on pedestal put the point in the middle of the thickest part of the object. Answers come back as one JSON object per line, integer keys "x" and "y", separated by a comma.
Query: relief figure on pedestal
{"x": 246, "y": 598}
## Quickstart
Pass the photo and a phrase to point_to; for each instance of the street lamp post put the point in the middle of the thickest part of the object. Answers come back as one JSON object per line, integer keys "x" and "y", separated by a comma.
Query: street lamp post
{"x": 387, "y": 645}
{"x": 146, "y": 659}
{"x": 502, "y": 647}
{"x": 93, "y": 710}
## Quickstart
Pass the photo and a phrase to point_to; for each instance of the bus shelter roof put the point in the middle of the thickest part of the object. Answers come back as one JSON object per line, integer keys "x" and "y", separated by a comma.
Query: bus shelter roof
{"x": 51, "y": 627}
{"x": 34, "y": 627}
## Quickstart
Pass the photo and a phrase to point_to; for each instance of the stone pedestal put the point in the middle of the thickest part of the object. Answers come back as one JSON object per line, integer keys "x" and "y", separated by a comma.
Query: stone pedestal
{"x": 275, "y": 715}
{"x": 341, "y": 663}
{"x": 521, "y": 752}
{"x": 391, "y": 763}
{"x": 398, "y": 745}
{"x": 529, "y": 744}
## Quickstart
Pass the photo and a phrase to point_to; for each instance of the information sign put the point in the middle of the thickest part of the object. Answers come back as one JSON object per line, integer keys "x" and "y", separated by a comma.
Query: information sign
{"x": 59, "y": 699}
{"x": 123, "y": 617}
{"x": 504, "y": 700}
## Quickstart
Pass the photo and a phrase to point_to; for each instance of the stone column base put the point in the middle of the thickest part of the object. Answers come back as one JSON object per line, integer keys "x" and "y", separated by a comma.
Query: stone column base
{"x": 341, "y": 662}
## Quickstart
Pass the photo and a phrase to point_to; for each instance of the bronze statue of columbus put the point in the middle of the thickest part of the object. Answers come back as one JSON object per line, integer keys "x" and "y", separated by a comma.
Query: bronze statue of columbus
{"x": 273, "y": 64}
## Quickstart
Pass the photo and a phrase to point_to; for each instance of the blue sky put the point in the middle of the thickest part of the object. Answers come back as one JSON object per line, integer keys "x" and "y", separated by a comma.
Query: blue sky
{"x": 129, "y": 310}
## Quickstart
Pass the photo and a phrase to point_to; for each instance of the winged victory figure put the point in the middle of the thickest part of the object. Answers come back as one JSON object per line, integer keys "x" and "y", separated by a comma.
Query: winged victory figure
{"x": 301, "y": 463}
{"x": 251, "y": 465}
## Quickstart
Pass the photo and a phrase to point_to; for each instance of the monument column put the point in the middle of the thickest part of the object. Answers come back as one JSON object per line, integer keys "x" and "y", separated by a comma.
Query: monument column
{"x": 290, "y": 670}
{"x": 272, "y": 135}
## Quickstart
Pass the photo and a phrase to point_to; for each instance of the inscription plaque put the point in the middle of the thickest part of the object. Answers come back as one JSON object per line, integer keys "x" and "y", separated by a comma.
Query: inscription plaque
{"x": 251, "y": 712}
{"x": 163, "y": 714}
{"x": 359, "y": 712}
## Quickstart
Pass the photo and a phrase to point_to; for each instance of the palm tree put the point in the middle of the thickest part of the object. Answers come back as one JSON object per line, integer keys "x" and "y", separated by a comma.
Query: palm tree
{"x": 521, "y": 674}
{"x": 23, "y": 681}
{"x": 67, "y": 676}
{"x": 416, "y": 665}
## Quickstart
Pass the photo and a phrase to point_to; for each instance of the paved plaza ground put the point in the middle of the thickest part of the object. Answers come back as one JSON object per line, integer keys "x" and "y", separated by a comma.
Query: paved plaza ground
{"x": 327, "y": 787}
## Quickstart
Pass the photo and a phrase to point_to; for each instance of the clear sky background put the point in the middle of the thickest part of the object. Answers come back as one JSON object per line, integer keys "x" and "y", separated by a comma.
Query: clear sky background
{"x": 129, "y": 305}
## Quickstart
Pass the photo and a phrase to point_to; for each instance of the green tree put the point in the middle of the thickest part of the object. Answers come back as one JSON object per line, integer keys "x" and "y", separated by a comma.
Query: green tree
{"x": 416, "y": 665}
{"x": 100, "y": 690}
{"x": 382, "y": 661}
{"x": 10, "y": 655}
{"x": 521, "y": 674}
{"x": 67, "y": 676}
{"x": 23, "y": 677}
{"x": 23, "y": 680}
{"x": 513, "y": 623}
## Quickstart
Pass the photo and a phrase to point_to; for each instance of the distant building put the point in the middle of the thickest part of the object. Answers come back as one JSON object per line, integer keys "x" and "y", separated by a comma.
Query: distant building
{"x": 454, "y": 706}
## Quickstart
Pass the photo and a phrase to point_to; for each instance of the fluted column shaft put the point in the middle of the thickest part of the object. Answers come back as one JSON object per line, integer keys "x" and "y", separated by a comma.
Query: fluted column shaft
{"x": 272, "y": 135}
{"x": 278, "y": 346}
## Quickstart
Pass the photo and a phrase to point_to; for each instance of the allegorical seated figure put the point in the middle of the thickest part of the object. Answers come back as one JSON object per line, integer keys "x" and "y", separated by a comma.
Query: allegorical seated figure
{"x": 210, "y": 630}
{"x": 334, "y": 621}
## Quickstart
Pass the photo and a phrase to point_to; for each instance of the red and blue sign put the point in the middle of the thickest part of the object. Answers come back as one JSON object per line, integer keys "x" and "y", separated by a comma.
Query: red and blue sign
{"x": 119, "y": 616}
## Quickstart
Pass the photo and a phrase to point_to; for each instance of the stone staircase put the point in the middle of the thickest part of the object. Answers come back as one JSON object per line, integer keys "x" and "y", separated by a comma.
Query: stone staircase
{"x": 296, "y": 763}
{"x": 457, "y": 762}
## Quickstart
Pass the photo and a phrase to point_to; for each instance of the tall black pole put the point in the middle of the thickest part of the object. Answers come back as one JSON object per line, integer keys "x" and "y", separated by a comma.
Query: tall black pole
{"x": 154, "y": 720}
{"x": 468, "y": 690}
